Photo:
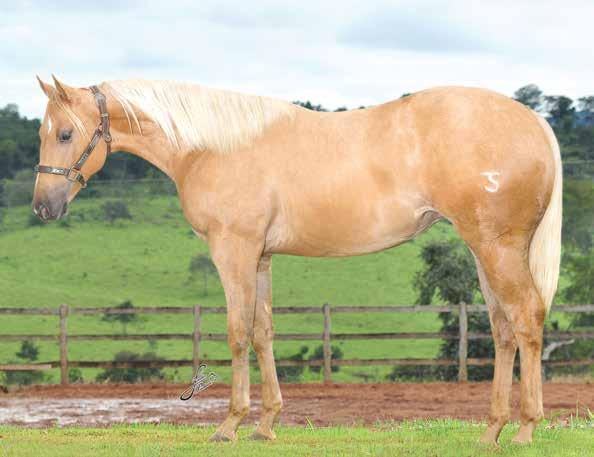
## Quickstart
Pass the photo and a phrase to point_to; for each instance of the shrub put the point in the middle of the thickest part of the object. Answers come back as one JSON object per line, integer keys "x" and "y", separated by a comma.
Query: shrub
{"x": 115, "y": 209}
{"x": 292, "y": 374}
{"x": 318, "y": 354}
{"x": 131, "y": 375}
{"x": 75, "y": 376}
{"x": 404, "y": 373}
{"x": 18, "y": 191}
{"x": 28, "y": 353}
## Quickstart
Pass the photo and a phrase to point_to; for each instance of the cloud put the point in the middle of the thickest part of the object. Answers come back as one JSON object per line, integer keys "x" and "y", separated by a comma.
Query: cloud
{"x": 336, "y": 52}
{"x": 413, "y": 29}
{"x": 66, "y": 6}
{"x": 142, "y": 59}
{"x": 245, "y": 16}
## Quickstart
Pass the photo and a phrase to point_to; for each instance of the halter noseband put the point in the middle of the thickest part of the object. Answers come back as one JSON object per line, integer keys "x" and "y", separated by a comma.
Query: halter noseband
{"x": 102, "y": 131}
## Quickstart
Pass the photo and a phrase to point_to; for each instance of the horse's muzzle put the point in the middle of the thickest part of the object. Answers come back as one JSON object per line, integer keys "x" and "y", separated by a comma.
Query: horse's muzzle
{"x": 48, "y": 212}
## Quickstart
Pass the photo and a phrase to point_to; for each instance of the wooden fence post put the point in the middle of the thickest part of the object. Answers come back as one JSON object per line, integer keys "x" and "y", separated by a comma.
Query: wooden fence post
{"x": 326, "y": 344}
{"x": 196, "y": 338}
{"x": 63, "y": 345}
{"x": 463, "y": 344}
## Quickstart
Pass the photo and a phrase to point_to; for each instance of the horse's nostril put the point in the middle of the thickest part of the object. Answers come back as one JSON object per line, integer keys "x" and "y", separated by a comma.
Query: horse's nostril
{"x": 43, "y": 212}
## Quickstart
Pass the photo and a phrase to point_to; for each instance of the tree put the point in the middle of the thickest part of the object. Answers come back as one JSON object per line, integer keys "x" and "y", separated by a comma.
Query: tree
{"x": 19, "y": 141}
{"x": 201, "y": 263}
{"x": 579, "y": 268}
{"x": 123, "y": 319}
{"x": 309, "y": 105}
{"x": 578, "y": 218}
{"x": 19, "y": 190}
{"x": 530, "y": 95}
{"x": 586, "y": 103}
{"x": 561, "y": 112}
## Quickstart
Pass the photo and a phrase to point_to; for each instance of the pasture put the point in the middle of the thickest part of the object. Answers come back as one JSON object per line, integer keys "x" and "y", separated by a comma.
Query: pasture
{"x": 412, "y": 438}
{"x": 84, "y": 253}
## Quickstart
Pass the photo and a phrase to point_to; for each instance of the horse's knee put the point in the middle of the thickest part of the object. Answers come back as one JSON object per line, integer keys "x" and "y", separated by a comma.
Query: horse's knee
{"x": 262, "y": 339}
{"x": 239, "y": 343}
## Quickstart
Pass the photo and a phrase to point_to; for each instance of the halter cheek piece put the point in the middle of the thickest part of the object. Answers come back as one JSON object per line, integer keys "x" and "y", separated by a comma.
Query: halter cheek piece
{"x": 102, "y": 131}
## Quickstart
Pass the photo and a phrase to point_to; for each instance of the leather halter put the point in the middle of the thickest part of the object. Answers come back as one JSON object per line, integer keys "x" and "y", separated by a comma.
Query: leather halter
{"x": 102, "y": 131}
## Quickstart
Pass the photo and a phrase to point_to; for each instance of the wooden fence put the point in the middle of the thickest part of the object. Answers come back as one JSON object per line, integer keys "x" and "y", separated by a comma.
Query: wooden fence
{"x": 326, "y": 336}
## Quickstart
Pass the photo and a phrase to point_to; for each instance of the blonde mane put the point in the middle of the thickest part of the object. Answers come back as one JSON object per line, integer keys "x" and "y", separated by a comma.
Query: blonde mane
{"x": 197, "y": 117}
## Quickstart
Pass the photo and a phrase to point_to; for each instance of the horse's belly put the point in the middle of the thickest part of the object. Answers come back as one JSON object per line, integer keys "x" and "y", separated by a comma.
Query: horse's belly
{"x": 351, "y": 230}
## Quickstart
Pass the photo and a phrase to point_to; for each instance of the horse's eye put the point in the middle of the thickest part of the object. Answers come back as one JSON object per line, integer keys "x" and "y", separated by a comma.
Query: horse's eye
{"x": 65, "y": 136}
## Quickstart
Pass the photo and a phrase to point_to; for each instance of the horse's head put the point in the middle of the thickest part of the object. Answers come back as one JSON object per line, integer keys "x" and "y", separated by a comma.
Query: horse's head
{"x": 68, "y": 130}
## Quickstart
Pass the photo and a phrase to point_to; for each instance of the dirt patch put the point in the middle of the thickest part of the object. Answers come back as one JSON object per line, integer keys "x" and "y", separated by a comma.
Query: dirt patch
{"x": 104, "y": 404}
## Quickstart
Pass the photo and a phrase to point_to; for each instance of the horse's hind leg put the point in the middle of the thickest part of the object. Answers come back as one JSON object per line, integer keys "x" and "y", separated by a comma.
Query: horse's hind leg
{"x": 506, "y": 268}
{"x": 505, "y": 353}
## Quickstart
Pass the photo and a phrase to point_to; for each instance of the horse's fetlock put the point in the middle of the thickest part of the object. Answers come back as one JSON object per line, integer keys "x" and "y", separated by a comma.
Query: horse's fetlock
{"x": 241, "y": 410}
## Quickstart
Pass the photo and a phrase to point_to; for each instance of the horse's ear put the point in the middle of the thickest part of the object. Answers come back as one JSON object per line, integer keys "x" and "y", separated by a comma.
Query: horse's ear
{"x": 64, "y": 91}
{"x": 47, "y": 89}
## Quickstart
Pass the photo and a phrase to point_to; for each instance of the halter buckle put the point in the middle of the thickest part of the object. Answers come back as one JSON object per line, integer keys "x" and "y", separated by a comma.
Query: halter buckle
{"x": 75, "y": 175}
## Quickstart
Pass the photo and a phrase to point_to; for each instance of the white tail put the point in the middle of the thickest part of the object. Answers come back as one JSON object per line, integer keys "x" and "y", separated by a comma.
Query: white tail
{"x": 545, "y": 248}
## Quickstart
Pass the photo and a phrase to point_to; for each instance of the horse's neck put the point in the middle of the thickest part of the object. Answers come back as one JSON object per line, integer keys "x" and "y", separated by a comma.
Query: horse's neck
{"x": 153, "y": 147}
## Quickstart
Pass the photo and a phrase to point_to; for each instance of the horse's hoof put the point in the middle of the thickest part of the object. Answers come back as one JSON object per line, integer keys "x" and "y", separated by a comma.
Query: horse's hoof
{"x": 259, "y": 435}
{"x": 489, "y": 436}
{"x": 521, "y": 439}
{"x": 524, "y": 435}
{"x": 488, "y": 440}
{"x": 220, "y": 437}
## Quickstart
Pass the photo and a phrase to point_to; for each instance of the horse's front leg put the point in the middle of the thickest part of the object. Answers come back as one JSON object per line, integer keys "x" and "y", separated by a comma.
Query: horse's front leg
{"x": 263, "y": 334}
{"x": 236, "y": 260}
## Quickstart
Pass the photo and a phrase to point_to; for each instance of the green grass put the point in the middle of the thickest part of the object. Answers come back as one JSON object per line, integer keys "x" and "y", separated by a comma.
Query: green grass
{"x": 432, "y": 438}
{"x": 89, "y": 262}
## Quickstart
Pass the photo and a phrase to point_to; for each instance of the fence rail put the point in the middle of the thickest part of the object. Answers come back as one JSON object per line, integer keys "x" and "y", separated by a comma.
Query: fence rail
{"x": 326, "y": 337}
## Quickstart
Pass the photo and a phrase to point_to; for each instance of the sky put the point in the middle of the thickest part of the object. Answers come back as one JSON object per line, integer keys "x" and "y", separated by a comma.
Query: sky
{"x": 336, "y": 52}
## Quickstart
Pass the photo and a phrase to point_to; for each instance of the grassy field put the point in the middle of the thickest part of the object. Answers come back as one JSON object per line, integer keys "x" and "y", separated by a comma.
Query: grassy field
{"x": 86, "y": 261}
{"x": 433, "y": 438}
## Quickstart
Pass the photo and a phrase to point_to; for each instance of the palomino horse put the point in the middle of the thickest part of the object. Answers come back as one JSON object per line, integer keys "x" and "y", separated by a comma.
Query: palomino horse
{"x": 257, "y": 177}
